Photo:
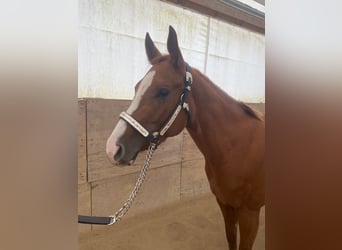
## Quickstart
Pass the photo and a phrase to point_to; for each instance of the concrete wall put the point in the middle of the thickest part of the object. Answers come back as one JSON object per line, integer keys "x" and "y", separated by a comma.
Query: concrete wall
{"x": 112, "y": 55}
{"x": 176, "y": 173}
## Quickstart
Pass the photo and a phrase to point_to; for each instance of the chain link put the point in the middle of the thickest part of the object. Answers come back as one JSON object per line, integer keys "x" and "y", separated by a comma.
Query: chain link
{"x": 124, "y": 209}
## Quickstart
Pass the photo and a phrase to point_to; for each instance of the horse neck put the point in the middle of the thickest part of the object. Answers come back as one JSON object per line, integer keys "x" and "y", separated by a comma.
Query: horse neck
{"x": 212, "y": 113}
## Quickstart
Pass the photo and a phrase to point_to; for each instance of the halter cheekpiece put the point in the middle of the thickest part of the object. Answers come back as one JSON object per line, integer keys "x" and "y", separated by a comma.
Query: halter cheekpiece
{"x": 183, "y": 104}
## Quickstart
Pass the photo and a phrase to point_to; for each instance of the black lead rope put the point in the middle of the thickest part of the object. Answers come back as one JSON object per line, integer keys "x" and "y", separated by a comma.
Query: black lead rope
{"x": 96, "y": 220}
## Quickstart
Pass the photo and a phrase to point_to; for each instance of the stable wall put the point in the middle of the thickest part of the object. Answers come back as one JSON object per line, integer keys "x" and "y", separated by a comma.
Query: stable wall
{"x": 176, "y": 172}
{"x": 112, "y": 54}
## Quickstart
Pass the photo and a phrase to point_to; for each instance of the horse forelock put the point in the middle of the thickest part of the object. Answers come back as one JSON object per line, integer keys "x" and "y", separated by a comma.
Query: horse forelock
{"x": 160, "y": 59}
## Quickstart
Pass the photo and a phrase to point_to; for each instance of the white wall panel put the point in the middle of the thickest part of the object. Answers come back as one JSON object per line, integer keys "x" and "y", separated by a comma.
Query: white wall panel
{"x": 111, "y": 46}
{"x": 112, "y": 54}
{"x": 236, "y": 61}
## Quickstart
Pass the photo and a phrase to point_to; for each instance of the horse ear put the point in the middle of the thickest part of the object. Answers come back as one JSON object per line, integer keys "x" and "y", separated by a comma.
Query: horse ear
{"x": 151, "y": 50}
{"x": 173, "y": 48}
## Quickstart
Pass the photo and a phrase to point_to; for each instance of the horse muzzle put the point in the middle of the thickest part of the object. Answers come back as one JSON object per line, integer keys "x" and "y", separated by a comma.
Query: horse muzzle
{"x": 123, "y": 153}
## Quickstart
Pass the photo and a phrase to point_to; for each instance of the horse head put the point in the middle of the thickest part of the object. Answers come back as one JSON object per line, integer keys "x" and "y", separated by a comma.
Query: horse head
{"x": 155, "y": 102}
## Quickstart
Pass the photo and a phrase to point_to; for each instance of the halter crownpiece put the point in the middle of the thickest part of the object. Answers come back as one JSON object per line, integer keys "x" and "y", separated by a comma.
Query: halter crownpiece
{"x": 183, "y": 104}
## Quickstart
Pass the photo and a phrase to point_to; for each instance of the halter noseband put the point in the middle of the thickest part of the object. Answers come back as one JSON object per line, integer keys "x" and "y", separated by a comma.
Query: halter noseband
{"x": 183, "y": 104}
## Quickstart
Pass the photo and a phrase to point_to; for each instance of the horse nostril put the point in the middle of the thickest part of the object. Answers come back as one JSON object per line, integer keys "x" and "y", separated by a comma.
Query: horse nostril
{"x": 120, "y": 153}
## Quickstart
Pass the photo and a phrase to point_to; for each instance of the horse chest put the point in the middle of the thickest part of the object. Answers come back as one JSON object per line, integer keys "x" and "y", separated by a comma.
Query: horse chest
{"x": 227, "y": 185}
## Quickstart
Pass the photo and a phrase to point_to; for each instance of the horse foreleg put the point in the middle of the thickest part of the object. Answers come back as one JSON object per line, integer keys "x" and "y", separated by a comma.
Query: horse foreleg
{"x": 248, "y": 225}
{"x": 230, "y": 220}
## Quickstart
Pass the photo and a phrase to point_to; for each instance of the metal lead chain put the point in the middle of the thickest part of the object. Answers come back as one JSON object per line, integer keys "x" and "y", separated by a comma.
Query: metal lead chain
{"x": 124, "y": 209}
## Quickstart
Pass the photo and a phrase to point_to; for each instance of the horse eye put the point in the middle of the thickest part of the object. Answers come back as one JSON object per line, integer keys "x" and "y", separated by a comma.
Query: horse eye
{"x": 163, "y": 92}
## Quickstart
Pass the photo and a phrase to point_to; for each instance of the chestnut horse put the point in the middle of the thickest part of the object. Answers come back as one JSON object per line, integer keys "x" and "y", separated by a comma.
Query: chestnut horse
{"x": 229, "y": 134}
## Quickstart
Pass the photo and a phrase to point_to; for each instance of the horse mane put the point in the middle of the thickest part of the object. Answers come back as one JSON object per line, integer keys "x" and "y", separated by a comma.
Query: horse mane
{"x": 250, "y": 111}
